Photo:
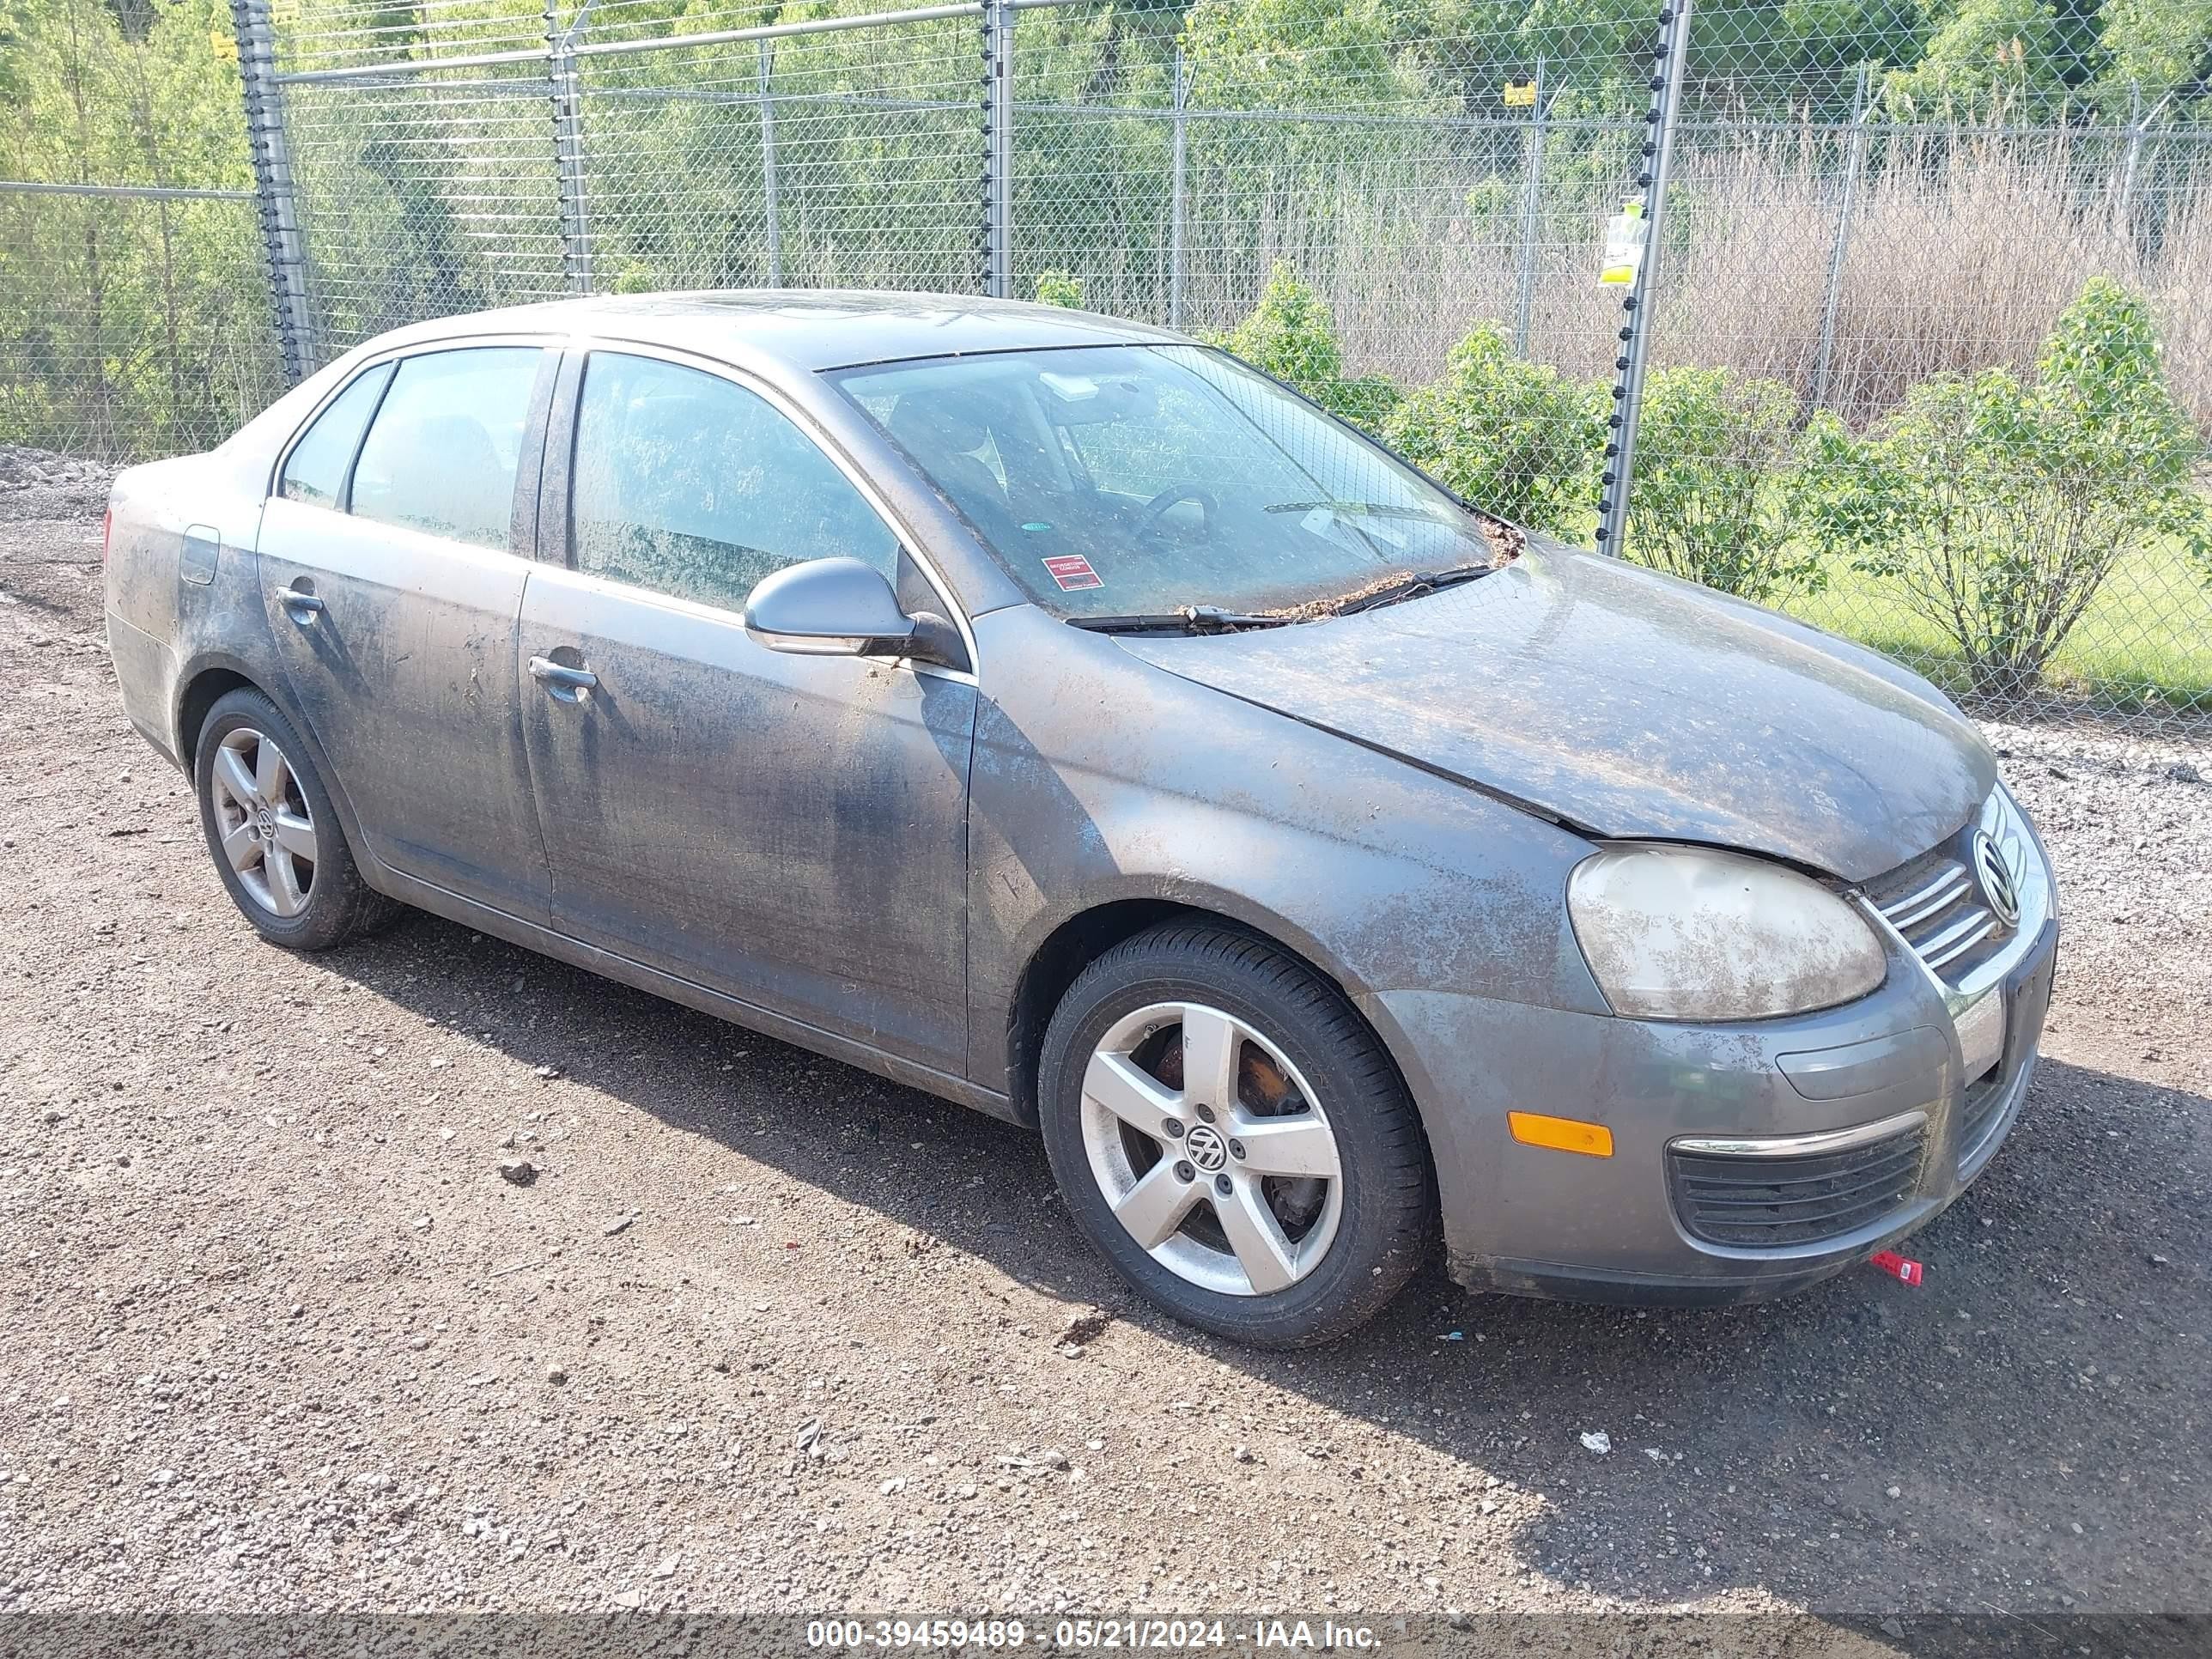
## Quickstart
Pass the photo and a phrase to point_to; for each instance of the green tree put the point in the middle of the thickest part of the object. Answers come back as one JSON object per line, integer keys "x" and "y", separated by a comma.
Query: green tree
{"x": 1059, "y": 288}
{"x": 2013, "y": 60}
{"x": 1292, "y": 336}
{"x": 134, "y": 326}
{"x": 2163, "y": 48}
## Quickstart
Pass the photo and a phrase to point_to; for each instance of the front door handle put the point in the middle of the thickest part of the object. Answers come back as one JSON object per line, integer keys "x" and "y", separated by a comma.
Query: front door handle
{"x": 569, "y": 684}
{"x": 301, "y": 606}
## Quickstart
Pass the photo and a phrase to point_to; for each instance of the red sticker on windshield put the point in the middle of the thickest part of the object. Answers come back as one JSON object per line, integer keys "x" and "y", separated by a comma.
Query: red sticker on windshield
{"x": 1073, "y": 571}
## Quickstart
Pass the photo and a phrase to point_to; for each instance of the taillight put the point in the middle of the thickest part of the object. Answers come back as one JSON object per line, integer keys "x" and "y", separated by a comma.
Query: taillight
{"x": 107, "y": 531}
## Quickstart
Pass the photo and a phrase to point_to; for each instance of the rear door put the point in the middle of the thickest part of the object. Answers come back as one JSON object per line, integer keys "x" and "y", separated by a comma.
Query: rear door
{"x": 392, "y": 561}
{"x": 790, "y": 831}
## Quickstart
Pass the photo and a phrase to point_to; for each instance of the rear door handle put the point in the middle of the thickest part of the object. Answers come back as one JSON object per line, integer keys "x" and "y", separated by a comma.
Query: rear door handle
{"x": 569, "y": 684}
{"x": 302, "y": 608}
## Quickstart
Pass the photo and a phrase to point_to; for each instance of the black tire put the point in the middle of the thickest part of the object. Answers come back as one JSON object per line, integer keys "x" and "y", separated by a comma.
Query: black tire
{"x": 339, "y": 906}
{"x": 1387, "y": 1225}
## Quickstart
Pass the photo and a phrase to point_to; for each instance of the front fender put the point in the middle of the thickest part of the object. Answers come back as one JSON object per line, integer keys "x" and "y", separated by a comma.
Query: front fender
{"x": 1109, "y": 780}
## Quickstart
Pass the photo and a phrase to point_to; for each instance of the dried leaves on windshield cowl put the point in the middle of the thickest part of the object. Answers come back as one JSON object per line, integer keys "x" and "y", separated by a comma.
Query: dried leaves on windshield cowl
{"x": 1505, "y": 544}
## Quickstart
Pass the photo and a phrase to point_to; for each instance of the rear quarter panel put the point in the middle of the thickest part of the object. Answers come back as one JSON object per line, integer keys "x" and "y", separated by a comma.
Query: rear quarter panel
{"x": 182, "y": 591}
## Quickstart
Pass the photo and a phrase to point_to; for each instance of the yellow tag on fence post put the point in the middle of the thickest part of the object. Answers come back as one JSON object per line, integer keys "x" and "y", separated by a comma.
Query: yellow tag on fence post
{"x": 1521, "y": 94}
{"x": 1625, "y": 235}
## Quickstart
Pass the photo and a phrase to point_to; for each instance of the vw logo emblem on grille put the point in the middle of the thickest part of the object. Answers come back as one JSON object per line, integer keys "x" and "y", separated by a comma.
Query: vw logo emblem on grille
{"x": 1995, "y": 876}
{"x": 1205, "y": 1147}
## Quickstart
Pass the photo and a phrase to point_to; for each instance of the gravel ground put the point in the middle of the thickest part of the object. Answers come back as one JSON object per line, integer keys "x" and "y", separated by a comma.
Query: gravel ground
{"x": 37, "y": 484}
{"x": 765, "y": 1333}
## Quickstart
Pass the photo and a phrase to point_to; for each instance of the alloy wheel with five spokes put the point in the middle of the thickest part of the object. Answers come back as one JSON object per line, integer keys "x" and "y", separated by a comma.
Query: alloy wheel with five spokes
{"x": 264, "y": 822}
{"x": 1233, "y": 1136}
{"x": 1211, "y": 1149}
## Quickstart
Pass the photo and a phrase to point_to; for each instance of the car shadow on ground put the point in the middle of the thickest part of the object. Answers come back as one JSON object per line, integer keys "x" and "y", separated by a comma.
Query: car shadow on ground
{"x": 2002, "y": 1437}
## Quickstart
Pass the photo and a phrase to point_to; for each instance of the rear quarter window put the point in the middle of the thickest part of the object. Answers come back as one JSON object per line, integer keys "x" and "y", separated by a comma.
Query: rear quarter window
{"x": 315, "y": 470}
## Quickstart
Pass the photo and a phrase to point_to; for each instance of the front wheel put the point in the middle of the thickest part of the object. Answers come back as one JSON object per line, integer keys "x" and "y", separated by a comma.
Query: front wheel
{"x": 1232, "y": 1136}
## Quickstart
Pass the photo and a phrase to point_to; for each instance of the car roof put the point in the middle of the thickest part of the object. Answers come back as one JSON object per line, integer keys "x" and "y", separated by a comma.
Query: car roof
{"x": 801, "y": 328}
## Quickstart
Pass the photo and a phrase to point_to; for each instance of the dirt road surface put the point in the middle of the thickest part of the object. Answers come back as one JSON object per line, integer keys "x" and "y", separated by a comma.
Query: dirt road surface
{"x": 768, "y": 1334}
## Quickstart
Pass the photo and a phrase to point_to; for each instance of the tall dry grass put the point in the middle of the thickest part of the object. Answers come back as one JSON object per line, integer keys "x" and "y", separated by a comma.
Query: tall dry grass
{"x": 1959, "y": 255}
{"x": 1962, "y": 249}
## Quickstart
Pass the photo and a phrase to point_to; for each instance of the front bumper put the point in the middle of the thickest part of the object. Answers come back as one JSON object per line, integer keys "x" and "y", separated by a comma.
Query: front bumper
{"x": 1540, "y": 1222}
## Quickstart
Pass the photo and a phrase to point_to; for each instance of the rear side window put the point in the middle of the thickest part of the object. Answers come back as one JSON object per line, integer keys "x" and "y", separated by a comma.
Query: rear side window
{"x": 440, "y": 455}
{"x": 315, "y": 470}
{"x": 693, "y": 486}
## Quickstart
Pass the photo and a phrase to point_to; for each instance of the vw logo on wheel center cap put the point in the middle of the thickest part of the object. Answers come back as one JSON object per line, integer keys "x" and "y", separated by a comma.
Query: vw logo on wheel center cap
{"x": 1205, "y": 1147}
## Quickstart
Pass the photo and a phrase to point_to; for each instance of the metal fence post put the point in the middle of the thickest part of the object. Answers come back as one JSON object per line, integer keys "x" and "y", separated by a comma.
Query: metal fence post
{"x": 1860, "y": 114}
{"x": 768, "y": 163}
{"x": 568, "y": 145}
{"x": 998, "y": 148}
{"x": 2135, "y": 152}
{"x": 1531, "y": 205}
{"x": 272, "y": 181}
{"x": 2138, "y": 128}
{"x": 1617, "y": 477}
{"x": 1177, "y": 207}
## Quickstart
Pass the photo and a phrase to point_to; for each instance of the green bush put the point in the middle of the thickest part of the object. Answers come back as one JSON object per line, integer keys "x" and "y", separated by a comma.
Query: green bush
{"x": 1059, "y": 288}
{"x": 1291, "y": 336}
{"x": 1999, "y": 506}
{"x": 1716, "y": 468}
{"x": 1516, "y": 438}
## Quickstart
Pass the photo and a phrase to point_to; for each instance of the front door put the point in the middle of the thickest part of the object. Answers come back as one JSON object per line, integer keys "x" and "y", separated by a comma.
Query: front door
{"x": 790, "y": 831}
{"x": 394, "y": 586}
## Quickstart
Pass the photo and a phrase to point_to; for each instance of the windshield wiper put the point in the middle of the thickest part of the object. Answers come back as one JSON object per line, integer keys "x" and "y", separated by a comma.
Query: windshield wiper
{"x": 1187, "y": 619}
{"x": 1404, "y": 587}
{"x": 1362, "y": 509}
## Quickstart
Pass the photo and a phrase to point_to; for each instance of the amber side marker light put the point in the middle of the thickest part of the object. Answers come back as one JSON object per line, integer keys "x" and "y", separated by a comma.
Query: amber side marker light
{"x": 1561, "y": 1134}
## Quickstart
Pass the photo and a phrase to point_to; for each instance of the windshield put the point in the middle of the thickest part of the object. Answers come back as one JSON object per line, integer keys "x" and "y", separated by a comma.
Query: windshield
{"x": 1120, "y": 480}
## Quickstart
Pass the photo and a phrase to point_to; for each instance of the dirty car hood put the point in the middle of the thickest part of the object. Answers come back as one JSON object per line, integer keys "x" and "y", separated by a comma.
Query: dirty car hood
{"x": 1628, "y": 704}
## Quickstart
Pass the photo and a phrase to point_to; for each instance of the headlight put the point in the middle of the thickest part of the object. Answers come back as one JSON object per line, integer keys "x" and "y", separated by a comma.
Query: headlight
{"x": 1677, "y": 933}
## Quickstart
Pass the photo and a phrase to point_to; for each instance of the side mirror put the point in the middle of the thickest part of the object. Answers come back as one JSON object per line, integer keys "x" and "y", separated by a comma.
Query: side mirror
{"x": 843, "y": 608}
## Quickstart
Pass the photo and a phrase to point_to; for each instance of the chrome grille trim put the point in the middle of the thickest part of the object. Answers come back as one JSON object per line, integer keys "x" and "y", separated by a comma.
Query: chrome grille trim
{"x": 1934, "y": 906}
{"x": 1801, "y": 1145}
{"x": 1938, "y": 949}
{"x": 1938, "y": 907}
{"x": 1947, "y": 887}
{"x": 1979, "y": 1114}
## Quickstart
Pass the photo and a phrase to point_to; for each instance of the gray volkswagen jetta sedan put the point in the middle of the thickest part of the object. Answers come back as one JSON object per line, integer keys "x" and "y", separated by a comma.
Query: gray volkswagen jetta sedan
{"x": 1054, "y": 715}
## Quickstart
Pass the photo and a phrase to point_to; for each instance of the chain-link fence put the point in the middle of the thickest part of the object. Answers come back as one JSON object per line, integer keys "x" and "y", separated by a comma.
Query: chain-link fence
{"x": 1959, "y": 293}
{"x": 134, "y": 320}
{"x": 1867, "y": 283}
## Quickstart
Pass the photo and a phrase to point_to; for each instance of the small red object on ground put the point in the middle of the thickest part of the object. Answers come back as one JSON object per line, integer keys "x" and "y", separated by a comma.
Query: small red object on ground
{"x": 1896, "y": 1266}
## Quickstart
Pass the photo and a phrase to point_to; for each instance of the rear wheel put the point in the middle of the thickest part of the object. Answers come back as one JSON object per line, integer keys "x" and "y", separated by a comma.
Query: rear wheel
{"x": 272, "y": 831}
{"x": 1232, "y": 1137}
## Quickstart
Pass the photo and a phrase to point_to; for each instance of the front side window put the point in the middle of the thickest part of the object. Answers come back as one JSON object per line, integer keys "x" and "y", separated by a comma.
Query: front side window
{"x": 692, "y": 486}
{"x": 1111, "y": 480}
{"x": 441, "y": 455}
{"x": 315, "y": 469}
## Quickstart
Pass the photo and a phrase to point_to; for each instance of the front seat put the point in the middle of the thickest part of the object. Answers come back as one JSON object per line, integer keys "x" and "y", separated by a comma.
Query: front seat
{"x": 944, "y": 438}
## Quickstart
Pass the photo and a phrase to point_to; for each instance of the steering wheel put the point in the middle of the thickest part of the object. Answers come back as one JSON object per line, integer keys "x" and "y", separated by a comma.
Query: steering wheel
{"x": 1155, "y": 511}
